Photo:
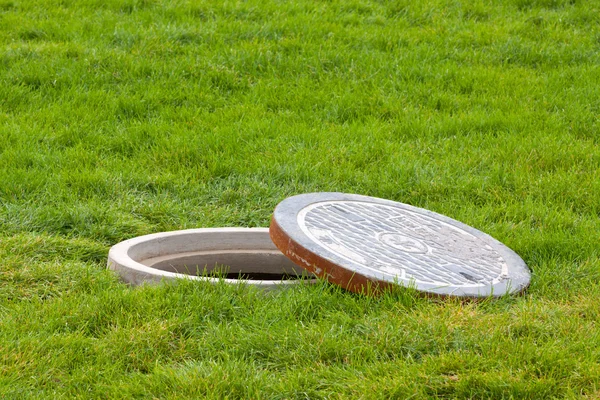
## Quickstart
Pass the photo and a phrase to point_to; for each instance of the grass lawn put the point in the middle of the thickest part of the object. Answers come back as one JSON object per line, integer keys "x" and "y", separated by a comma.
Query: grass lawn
{"x": 123, "y": 118}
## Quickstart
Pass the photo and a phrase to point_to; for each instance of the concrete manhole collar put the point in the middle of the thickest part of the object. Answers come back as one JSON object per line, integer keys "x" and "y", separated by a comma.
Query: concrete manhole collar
{"x": 246, "y": 253}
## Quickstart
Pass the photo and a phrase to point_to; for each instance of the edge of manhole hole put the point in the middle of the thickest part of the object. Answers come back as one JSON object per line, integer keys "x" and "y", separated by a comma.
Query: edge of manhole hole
{"x": 236, "y": 254}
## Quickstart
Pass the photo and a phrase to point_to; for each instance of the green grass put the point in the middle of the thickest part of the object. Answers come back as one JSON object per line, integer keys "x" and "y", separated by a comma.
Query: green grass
{"x": 122, "y": 118}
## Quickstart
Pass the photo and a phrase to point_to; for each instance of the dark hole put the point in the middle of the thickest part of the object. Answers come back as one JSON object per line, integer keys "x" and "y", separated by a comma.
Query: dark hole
{"x": 259, "y": 276}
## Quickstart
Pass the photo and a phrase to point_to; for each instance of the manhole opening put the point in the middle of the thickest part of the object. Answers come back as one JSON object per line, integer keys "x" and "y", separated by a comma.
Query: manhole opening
{"x": 253, "y": 276}
{"x": 233, "y": 254}
{"x": 245, "y": 265}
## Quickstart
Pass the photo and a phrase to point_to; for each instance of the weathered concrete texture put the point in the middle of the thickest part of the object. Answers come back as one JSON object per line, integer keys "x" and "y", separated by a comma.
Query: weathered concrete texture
{"x": 357, "y": 240}
{"x": 190, "y": 253}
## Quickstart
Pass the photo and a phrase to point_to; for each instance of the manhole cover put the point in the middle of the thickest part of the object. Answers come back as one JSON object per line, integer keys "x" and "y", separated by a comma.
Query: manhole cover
{"x": 357, "y": 241}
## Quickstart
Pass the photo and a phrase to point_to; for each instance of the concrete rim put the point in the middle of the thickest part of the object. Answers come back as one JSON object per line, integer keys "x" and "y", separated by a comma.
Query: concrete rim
{"x": 129, "y": 258}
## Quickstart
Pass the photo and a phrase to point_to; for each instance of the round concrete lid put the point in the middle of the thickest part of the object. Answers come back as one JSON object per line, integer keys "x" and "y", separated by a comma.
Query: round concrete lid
{"x": 364, "y": 243}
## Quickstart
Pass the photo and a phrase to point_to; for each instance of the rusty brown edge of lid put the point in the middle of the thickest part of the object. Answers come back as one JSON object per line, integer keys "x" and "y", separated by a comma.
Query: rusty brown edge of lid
{"x": 322, "y": 267}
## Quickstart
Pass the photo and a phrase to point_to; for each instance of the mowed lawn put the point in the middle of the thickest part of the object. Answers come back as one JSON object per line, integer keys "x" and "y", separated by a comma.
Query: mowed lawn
{"x": 123, "y": 118}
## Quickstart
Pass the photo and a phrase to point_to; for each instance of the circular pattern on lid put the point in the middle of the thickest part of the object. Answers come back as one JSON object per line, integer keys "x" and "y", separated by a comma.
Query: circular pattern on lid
{"x": 358, "y": 241}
